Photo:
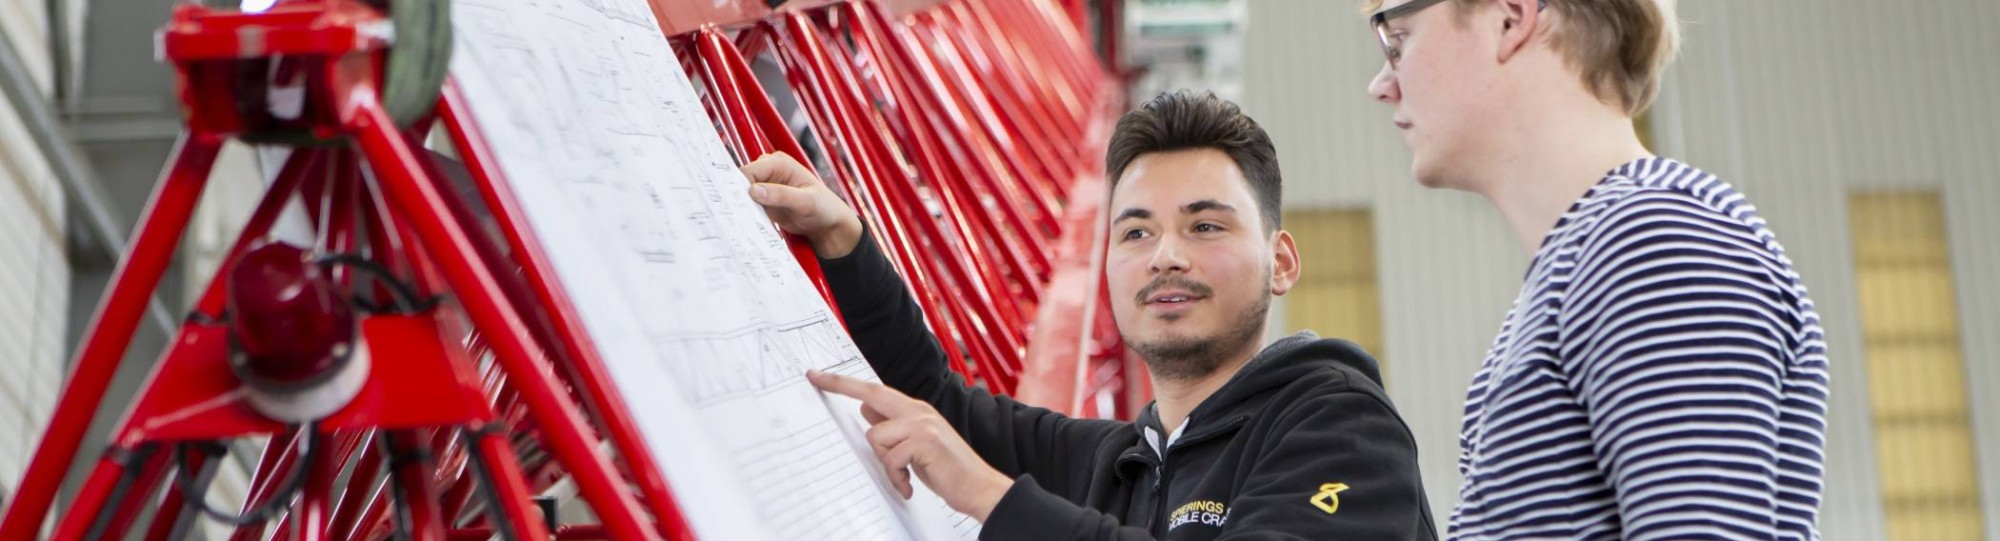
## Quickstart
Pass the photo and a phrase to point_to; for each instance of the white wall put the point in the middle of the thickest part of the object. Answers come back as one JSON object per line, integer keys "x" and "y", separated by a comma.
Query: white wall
{"x": 24, "y": 23}
{"x": 34, "y": 269}
{"x": 1794, "y": 103}
{"x": 1801, "y": 106}
{"x": 1448, "y": 268}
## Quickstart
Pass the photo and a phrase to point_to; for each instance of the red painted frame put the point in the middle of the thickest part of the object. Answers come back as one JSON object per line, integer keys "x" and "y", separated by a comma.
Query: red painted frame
{"x": 175, "y": 394}
{"x": 836, "y": 100}
{"x": 961, "y": 104}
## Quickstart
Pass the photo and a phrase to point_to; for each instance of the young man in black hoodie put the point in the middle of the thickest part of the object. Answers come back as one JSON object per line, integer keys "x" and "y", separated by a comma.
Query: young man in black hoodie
{"x": 1293, "y": 441}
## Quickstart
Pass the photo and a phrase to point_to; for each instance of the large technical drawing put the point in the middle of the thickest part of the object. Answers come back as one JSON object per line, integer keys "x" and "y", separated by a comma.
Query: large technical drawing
{"x": 700, "y": 313}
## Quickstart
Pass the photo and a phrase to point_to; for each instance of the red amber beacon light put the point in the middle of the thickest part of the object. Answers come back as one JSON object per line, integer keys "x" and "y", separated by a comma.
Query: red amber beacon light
{"x": 296, "y": 341}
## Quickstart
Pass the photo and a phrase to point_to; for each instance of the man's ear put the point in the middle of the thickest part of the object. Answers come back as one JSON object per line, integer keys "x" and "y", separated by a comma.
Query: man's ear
{"x": 1520, "y": 20}
{"x": 1285, "y": 263}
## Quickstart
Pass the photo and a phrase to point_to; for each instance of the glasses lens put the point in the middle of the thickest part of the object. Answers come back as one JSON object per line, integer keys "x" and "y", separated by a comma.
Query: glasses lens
{"x": 1388, "y": 49}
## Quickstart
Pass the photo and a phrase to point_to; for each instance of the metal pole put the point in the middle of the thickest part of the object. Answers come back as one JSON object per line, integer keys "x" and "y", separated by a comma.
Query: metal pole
{"x": 79, "y": 182}
{"x": 109, "y": 334}
{"x": 62, "y": 70}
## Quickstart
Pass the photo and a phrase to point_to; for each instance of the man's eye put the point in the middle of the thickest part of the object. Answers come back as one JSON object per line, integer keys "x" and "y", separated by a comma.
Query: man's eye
{"x": 1207, "y": 228}
{"x": 1135, "y": 234}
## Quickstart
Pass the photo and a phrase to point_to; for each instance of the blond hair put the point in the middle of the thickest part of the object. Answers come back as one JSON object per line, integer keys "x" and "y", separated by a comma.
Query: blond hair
{"x": 1620, "y": 47}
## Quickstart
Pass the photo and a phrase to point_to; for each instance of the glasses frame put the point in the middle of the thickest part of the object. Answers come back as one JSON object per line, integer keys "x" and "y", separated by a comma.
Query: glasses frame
{"x": 1380, "y": 21}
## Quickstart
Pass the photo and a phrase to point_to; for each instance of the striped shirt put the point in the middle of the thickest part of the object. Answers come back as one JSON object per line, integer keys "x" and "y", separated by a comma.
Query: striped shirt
{"x": 1662, "y": 375}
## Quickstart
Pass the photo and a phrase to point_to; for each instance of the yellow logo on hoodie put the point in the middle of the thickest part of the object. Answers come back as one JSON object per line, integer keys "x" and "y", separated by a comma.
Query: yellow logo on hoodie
{"x": 1203, "y": 512}
{"x": 1328, "y": 498}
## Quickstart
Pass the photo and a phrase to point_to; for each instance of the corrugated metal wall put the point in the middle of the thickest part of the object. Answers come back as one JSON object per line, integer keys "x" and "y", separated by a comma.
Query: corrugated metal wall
{"x": 1797, "y": 104}
{"x": 1803, "y": 107}
{"x": 34, "y": 269}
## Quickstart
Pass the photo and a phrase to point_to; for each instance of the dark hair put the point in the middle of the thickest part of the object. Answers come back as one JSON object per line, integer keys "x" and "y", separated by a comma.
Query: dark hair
{"x": 1185, "y": 119}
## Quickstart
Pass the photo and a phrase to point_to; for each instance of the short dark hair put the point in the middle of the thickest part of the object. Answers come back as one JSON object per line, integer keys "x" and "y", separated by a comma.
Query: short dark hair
{"x": 1185, "y": 119}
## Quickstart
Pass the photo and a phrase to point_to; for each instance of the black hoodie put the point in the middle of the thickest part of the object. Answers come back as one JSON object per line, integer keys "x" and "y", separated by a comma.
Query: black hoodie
{"x": 1301, "y": 443}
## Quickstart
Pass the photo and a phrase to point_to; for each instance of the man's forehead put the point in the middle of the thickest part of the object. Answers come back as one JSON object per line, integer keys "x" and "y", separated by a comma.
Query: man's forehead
{"x": 1178, "y": 167}
{"x": 1180, "y": 197}
{"x": 1166, "y": 181}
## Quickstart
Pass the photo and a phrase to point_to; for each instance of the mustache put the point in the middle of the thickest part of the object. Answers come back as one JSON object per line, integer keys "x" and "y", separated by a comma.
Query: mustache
{"x": 1197, "y": 289}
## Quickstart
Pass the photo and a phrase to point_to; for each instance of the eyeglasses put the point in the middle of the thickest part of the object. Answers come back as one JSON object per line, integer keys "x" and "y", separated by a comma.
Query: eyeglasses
{"x": 1380, "y": 20}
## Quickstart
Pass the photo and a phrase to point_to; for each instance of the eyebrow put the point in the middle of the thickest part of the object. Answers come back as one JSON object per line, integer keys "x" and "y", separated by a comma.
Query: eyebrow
{"x": 1206, "y": 205}
{"x": 1196, "y": 207}
{"x": 1133, "y": 213}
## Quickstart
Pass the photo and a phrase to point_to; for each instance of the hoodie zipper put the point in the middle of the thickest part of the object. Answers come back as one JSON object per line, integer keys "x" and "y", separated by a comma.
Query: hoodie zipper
{"x": 1160, "y": 499}
{"x": 1160, "y": 479}
{"x": 1152, "y": 463}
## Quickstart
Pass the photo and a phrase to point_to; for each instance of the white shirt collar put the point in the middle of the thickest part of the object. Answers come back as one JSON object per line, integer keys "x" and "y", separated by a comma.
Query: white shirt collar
{"x": 1153, "y": 438}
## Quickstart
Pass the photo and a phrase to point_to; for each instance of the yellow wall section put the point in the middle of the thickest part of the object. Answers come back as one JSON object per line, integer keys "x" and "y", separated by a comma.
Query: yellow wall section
{"x": 1338, "y": 294}
{"x": 1916, "y": 369}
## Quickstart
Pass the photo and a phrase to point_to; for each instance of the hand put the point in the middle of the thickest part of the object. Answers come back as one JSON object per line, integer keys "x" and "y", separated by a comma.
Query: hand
{"x": 909, "y": 434}
{"x": 801, "y": 204}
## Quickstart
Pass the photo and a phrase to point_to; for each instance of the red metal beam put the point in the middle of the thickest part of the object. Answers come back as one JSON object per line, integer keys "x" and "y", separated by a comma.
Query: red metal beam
{"x": 498, "y": 319}
{"x": 995, "y": 253}
{"x": 110, "y": 333}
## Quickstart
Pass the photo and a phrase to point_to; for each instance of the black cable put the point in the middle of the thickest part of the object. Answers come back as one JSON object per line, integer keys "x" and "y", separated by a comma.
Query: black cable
{"x": 200, "y": 318}
{"x": 400, "y": 520}
{"x": 407, "y": 300}
{"x": 271, "y": 506}
{"x": 482, "y": 470}
{"x": 130, "y": 461}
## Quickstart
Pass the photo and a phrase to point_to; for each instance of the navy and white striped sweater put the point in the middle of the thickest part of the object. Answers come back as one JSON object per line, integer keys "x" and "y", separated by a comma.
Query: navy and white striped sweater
{"x": 1662, "y": 375}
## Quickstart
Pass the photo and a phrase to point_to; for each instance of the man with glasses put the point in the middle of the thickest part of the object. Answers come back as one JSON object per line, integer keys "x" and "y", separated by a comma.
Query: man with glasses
{"x": 1662, "y": 373}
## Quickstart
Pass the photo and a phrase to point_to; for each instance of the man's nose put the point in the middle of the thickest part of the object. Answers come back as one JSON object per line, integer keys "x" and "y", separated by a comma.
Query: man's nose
{"x": 1384, "y": 87}
{"x": 1168, "y": 257}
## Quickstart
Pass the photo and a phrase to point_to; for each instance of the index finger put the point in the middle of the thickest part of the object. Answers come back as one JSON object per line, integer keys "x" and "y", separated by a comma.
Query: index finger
{"x": 889, "y": 402}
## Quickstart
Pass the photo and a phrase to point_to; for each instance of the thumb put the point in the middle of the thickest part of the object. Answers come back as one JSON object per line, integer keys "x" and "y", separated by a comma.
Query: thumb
{"x": 779, "y": 197}
{"x": 779, "y": 168}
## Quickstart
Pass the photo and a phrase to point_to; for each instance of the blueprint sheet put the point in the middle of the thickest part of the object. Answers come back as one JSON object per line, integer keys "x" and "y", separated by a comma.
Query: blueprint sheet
{"x": 700, "y": 313}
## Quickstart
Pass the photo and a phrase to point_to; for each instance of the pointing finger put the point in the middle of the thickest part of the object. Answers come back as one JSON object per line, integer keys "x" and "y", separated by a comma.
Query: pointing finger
{"x": 885, "y": 401}
{"x": 873, "y": 417}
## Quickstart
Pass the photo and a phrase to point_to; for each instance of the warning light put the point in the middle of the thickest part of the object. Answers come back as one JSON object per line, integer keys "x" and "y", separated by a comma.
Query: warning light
{"x": 296, "y": 341}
